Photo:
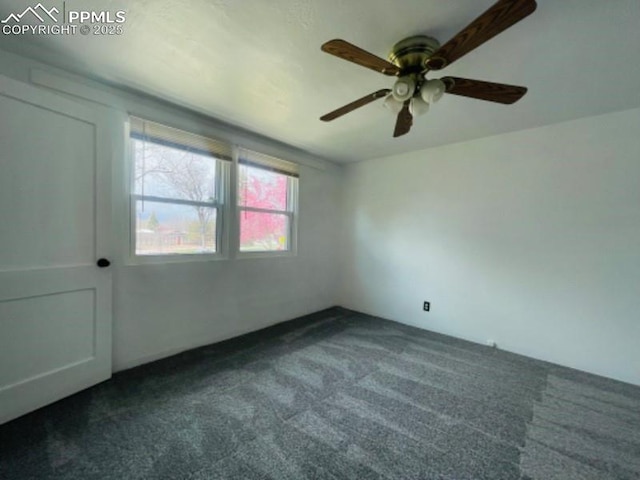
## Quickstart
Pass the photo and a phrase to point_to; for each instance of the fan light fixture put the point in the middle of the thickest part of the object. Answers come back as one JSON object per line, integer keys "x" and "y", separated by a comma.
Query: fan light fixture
{"x": 432, "y": 90}
{"x": 418, "y": 106}
{"x": 392, "y": 104}
{"x": 404, "y": 88}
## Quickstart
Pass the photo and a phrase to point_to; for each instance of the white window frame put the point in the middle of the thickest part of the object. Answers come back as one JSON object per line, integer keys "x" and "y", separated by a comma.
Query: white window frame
{"x": 221, "y": 205}
{"x": 291, "y": 213}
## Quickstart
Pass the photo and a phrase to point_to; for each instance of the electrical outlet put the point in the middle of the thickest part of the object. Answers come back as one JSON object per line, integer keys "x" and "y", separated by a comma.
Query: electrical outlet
{"x": 426, "y": 306}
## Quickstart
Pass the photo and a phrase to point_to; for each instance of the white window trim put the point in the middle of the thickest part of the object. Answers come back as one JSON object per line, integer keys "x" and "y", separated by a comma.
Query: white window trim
{"x": 227, "y": 216}
{"x": 221, "y": 205}
{"x": 292, "y": 200}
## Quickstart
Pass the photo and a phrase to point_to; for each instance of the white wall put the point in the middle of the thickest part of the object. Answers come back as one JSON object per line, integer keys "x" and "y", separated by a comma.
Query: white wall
{"x": 531, "y": 239}
{"x": 163, "y": 309}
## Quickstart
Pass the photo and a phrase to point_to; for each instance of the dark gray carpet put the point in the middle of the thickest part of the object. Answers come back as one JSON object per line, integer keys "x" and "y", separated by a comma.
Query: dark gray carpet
{"x": 335, "y": 395}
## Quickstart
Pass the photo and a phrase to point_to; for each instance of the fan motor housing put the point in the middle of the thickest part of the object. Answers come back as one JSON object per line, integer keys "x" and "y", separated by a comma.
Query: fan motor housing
{"x": 413, "y": 52}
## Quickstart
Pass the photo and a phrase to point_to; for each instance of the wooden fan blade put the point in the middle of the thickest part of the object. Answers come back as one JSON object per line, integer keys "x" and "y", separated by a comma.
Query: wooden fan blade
{"x": 356, "y": 104}
{"x": 492, "y": 92}
{"x": 404, "y": 121}
{"x": 498, "y": 18}
{"x": 351, "y": 53}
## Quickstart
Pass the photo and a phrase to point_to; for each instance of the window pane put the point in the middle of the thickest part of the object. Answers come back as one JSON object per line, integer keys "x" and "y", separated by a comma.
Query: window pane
{"x": 260, "y": 188}
{"x": 169, "y": 172}
{"x": 163, "y": 228}
{"x": 263, "y": 232}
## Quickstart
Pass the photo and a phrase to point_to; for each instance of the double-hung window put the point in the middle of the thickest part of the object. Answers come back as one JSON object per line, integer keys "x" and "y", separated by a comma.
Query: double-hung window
{"x": 178, "y": 191}
{"x": 267, "y": 203}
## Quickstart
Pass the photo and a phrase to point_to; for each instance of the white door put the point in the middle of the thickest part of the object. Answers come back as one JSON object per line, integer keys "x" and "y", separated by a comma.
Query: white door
{"x": 55, "y": 302}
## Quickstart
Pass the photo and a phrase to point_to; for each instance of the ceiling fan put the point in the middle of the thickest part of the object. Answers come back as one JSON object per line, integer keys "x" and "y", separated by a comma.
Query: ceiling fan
{"x": 412, "y": 58}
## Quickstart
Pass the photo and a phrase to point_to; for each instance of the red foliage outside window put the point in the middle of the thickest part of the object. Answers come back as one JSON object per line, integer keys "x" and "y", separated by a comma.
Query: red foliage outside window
{"x": 258, "y": 188}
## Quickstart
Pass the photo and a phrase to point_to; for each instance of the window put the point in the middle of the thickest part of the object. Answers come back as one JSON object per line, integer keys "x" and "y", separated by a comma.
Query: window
{"x": 182, "y": 206}
{"x": 267, "y": 203}
{"x": 177, "y": 191}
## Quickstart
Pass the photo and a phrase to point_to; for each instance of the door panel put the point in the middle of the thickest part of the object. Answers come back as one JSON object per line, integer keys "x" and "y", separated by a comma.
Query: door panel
{"x": 47, "y": 189}
{"x": 55, "y": 304}
{"x": 61, "y": 338}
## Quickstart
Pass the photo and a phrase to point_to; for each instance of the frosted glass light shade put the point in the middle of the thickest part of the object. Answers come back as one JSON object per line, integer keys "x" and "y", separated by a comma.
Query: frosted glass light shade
{"x": 432, "y": 90}
{"x": 418, "y": 106}
{"x": 392, "y": 104}
{"x": 403, "y": 89}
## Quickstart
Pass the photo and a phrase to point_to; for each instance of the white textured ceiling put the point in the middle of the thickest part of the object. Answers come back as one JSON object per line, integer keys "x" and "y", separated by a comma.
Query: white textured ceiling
{"x": 257, "y": 64}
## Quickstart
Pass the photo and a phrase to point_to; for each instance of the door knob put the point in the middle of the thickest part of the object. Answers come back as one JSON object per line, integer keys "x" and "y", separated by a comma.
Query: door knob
{"x": 103, "y": 263}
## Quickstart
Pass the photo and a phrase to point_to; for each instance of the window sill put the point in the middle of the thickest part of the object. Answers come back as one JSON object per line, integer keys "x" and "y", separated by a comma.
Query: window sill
{"x": 174, "y": 258}
{"x": 278, "y": 254}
